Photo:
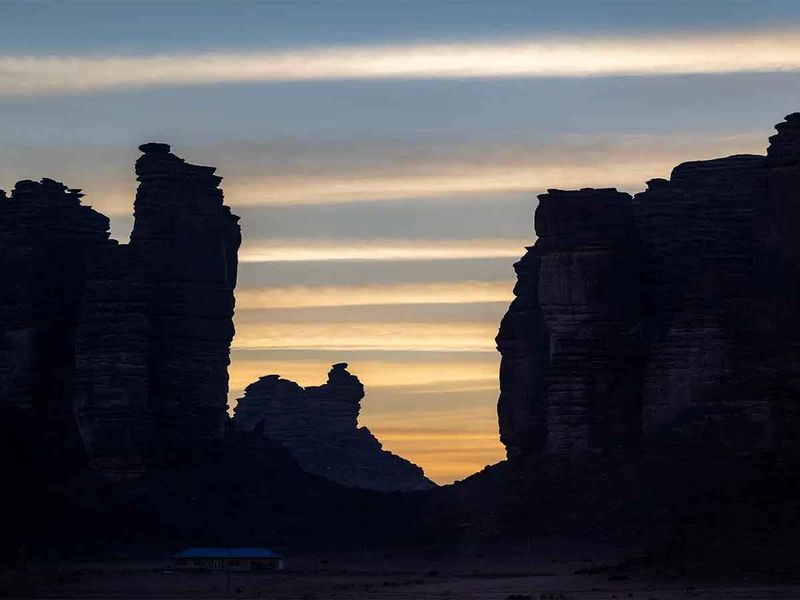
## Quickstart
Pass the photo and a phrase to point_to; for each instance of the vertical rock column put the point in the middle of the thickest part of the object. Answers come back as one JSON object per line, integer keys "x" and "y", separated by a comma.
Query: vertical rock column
{"x": 524, "y": 348}
{"x": 589, "y": 294}
{"x": 185, "y": 241}
{"x": 156, "y": 328}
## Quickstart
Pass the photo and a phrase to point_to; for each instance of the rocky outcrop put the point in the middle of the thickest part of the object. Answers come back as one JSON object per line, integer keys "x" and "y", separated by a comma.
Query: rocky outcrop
{"x": 700, "y": 376}
{"x": 154, "y": 338}
{"x": 778, "y": 271}
{"x": 566, "y": 340}
{"x": 46, "y": 239}
{"x": 523, "y": 342}
{"x": 671, "y": 317}
{"x": 118, "y": 351}
{"x": 319, "y": 427}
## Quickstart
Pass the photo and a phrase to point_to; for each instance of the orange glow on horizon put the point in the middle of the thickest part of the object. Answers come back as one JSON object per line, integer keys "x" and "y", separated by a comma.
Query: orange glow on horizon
{"x": 449, "y": 442}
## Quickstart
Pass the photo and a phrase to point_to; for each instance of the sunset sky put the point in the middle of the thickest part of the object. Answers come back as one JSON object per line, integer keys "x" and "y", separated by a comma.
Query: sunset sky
{"x": 385, "y": 157}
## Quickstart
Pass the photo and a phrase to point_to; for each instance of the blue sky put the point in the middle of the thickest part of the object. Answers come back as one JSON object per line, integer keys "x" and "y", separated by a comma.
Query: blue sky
{"x": 385, "y": 157}
{"x": 53, "y": 26}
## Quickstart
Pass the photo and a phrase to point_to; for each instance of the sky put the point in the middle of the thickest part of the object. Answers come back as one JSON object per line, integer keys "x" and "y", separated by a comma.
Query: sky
{"x": 385, "y": 158}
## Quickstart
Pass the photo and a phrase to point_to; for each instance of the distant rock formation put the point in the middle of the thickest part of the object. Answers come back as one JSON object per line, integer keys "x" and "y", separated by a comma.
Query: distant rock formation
{"x": 669, "y": 318}
{"x": 319, "y": 426}
{"x": 154, "y": 339}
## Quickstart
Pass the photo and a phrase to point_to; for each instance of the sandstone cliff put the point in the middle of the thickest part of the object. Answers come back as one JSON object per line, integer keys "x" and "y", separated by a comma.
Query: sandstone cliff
{"x": 318, "y": 425}
{"x": 154, "y": 338}
{"x": 667, "y": 318}
{"x": 118, "y": 354}
{"x": 46, "y": 240}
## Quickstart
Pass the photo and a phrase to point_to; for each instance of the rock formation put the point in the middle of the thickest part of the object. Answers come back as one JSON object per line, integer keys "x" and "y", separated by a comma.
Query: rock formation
{"x": 120, "y": 351}
{"x": 318, "y": 425}
{"x": 154, "y": 339}
{"x": 46, "y": 239}
{"x": 701, "y": 377}
{"x": 671, "y": 317}
{"x": 567, "y": 339}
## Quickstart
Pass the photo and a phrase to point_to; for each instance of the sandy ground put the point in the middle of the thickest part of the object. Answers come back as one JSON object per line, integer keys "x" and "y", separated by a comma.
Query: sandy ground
{"x": 539, "y": 572}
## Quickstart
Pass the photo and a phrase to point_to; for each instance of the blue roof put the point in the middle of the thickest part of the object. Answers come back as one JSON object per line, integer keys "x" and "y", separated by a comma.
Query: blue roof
{"x": 226, "y": 553}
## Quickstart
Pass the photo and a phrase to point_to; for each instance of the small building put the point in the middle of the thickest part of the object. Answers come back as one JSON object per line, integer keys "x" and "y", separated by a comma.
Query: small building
{"x": 227, "y": 559}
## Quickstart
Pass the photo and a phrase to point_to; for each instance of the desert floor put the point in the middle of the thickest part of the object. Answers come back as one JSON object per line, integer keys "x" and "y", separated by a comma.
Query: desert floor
{"x": 544, "y": 570}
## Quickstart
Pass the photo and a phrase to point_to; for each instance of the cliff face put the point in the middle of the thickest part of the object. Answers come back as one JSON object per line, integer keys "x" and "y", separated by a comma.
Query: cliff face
{"x": 670, "y": 317}
{"x": 187, "y": 242}
{"x": 566, "y": 337}
{"x": 587, "y": 294}
{"x": 779, "y": 270}
{"x": 524, "y": 345}
{"x": 700, "y": 378}
{"x": 46, "y": 239}
{"x": 118, "y": 354}
{"x": 318, "y": 425}
{"x": 155, "y": 333}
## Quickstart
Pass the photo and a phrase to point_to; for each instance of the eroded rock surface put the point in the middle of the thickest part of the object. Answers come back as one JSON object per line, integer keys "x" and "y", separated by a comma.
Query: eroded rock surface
{"x": 670, "y": 317}
{"x": 319, "y": 426}
{"x": 699, "y": 249}
{"x": 154, "y": 339}
{"x": 118, "y": 354}
{"x": 46, "y": 240}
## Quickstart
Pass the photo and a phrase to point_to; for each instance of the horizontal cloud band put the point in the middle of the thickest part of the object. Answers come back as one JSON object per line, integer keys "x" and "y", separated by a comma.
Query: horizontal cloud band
{"x": 301, "y": 296}
{"x": 420, "y": 337}
{"x": 374, "y": 373}
{"x": 662, "y": 54}
{"x": 352, "y": 171}
{"x": 308, "y": 250}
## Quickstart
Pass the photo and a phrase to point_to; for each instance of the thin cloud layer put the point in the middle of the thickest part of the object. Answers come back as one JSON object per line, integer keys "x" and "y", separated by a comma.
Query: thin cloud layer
{"x": 296, "y": 297}
{"x": 375, "y": 373}
{"x": 304, "y": 250}
{"x": 655, "y": 54}
{"x": 452, "y": 180}
{"x": 281, "y": 175}
{"x": 466, "y": 336}
{"x": 376, "y": 170}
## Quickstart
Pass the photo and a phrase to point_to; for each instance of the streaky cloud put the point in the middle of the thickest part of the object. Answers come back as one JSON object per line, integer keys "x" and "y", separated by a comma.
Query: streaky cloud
{"x": 383, "y": 170}
{"x": 402, "y": 335}
{"x": 664, "y": 53}
{"x": 449, "y": 180}
{"x": 451, "y": 388}
{"x": 410, "y": 375}
{"x": 310, "y": 250}
{"x": 301, "y": 296}
{"x": 420, "y": 312}
{"x": 286, "y": 176}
